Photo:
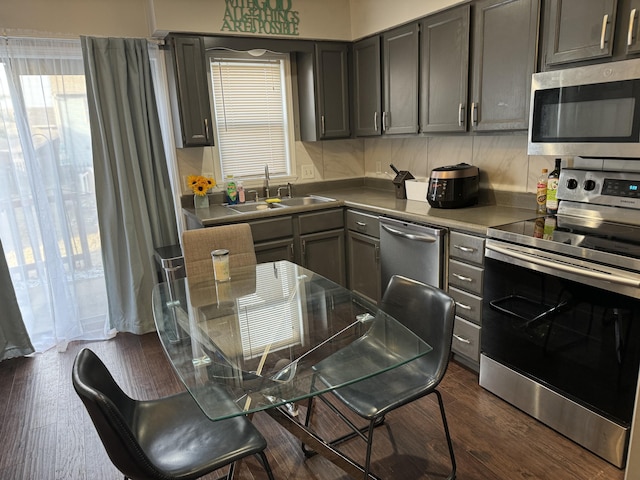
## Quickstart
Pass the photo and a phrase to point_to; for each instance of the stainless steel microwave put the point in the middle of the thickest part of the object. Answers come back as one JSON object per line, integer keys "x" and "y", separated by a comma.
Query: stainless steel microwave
{"x": 590, "y": 111}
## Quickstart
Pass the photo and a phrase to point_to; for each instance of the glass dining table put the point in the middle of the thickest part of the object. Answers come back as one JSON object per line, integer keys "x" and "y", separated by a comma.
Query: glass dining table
{"x": 257, "y": 343}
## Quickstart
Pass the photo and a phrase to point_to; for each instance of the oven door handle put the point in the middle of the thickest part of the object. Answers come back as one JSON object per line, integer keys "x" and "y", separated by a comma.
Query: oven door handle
{"x": 608, "y": 277}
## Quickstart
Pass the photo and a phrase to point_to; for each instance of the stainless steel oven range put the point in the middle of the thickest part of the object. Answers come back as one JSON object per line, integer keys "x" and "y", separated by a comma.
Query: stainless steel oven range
{"x": 561, "y": 313}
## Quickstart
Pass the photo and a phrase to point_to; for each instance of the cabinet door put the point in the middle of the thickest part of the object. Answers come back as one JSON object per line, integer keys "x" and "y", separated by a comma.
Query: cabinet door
{"x": 193, "y": 91}
{"x": 332, "y": 74}
{"x": 400, "y": 47}
{"x": 367, "y": 87}
{"x": 444, "y": 60}
{"x": 364, "y": 265}
{"x": 275, "y": 250}
{"x": 631, "y": 20}
{"x": 579, "y": 30}
{"x": 504, "y": 58}
{"x": 324, "y": 254}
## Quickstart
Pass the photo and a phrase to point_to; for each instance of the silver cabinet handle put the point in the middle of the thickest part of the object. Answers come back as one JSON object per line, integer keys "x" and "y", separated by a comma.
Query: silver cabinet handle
{"x": 632, "y": 18}
{"x": 474, "y": 114}
{"x": 462, "y": 339}
{"x": 462, "y": 277}
{"x": 206, "y": 128}
{"x": 384, "y": 121}
{"x": 460, "y": 115}
{"x": 377, "y": 253}
{"x": 605, "y": 20}
{"x": 465, "y": 249}
{"x": 362, "y": 226}
{"x": 409, "y": 236}
{"x": 462, "y": 305}
{"x": 375, "y": 121}
{"x": 322, "y": 124}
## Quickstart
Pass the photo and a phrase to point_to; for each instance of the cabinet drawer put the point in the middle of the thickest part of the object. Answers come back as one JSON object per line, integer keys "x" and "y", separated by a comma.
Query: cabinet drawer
{"x": 465, "y": 276}
{"x": 466, "y": 339}
{"x": 321, "y": 220}
{"x": 271, "y": 229}
{"x": 467, "y": 305}
{"x": 466, "y": 247}
{"x": 363, "y": 223}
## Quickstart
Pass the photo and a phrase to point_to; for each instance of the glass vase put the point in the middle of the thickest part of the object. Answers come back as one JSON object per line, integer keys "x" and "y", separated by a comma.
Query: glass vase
{"x": 201, "y": 201}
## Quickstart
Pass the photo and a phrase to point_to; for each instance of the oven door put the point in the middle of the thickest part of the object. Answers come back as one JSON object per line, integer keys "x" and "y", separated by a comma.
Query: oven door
{"x": 579, "y": 338}
{"x": 562, "y": 344}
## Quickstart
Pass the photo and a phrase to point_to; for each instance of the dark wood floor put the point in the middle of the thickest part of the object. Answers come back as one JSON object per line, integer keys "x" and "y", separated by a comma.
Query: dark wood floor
{"x": 46, "y": 433}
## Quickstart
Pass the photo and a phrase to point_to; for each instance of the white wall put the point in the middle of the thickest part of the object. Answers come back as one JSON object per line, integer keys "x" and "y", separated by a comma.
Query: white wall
{"x": 371, "y": 16}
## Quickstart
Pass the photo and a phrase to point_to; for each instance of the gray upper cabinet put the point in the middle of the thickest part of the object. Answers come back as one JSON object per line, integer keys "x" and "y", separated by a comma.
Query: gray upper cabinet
{"x": 190, "y": 91}
{"x": 400, "y": 49}
{"x": 630, "y": 15}
{"x": 504, "y": 58}
{"x": 367, "y": 106}
{"x": 579, "y": 30}
{"x": 323, "y": 86}
{"x": 444, "y": 63}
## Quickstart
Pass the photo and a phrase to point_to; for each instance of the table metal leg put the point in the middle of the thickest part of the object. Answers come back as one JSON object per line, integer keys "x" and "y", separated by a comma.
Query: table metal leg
{"x": 320, "y": 446}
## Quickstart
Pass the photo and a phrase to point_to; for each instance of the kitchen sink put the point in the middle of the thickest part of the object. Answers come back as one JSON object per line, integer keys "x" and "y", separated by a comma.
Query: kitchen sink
{"x": 301, "y": 201}
{"x": 253, "y": 207}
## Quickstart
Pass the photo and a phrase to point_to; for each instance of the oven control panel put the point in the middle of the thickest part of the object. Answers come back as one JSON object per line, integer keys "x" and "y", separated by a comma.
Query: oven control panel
{"x": 617, "y": 189}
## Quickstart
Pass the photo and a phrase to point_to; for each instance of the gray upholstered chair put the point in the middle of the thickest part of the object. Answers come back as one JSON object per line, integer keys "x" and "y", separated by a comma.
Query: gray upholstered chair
{"x": 198, "y": 244}
{"x": 429, "y": 313}
{"x": 168, "y": 438}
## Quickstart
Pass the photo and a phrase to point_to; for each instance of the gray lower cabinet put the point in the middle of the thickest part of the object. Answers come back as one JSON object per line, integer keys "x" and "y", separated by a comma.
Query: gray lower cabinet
{"x": 465, "y": 277}
{"x": 444, "y": 63}
{"x": 321, "y": 244}
{"x": 504, "y": 58}
{"x": 363, "y": 254}
{"x": 273, "y": 239}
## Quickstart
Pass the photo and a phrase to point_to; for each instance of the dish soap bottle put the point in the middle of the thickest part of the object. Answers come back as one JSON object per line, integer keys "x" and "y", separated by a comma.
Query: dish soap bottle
{"x": 552, "y": 189}
{"x": 541, "y": 195}
{"x": 231, "y": 193}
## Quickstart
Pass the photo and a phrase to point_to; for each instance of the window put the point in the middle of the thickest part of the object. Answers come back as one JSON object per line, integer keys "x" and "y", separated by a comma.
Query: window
{"x": 251, "y": 107}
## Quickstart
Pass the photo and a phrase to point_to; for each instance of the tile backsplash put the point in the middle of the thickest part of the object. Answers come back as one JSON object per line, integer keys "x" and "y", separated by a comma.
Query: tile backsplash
{"x": 502, "y": 159}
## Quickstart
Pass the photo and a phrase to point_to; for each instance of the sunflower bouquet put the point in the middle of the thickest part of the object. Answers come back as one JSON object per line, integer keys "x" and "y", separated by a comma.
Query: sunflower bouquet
{"x": 200, "y": 184}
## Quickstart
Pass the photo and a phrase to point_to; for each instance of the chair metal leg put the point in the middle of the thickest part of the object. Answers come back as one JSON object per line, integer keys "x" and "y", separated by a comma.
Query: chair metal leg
{"x": 265, "y": 463}
{"x": 452, "y": 475}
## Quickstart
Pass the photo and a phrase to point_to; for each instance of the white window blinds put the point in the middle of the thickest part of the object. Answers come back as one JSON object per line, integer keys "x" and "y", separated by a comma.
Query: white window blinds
{"x": 251, "y": 119}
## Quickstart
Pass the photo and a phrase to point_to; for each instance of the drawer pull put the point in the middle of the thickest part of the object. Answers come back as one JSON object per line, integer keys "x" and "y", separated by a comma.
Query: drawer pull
{"x": 462, "y": 277}
{"x": 462, "y": 305}
{"x": 465, "y": 249}
{"x": 462, "y": 339}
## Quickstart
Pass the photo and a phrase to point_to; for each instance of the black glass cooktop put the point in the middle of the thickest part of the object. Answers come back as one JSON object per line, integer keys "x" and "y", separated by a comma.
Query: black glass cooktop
{"x": 561, "y": 233}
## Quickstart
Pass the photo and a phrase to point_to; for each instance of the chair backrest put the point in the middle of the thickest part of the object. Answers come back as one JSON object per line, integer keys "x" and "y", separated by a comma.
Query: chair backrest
{"x": 112, "y": 412}
{"x": 198, "y": 244}
{"x": 427, "y": 311}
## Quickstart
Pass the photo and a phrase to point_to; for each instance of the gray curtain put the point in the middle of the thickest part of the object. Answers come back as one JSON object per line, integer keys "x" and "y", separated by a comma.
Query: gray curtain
{"x": 135, "y": 207}
{"x": 14, "y": 340}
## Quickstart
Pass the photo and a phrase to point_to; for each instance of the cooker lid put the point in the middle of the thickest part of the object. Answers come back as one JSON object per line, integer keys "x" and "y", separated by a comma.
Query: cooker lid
{"x": 460, "y": 170}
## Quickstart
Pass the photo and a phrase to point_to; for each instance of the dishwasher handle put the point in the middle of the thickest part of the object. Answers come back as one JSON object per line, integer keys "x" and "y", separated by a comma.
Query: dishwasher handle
{"x": 409, "y": 236}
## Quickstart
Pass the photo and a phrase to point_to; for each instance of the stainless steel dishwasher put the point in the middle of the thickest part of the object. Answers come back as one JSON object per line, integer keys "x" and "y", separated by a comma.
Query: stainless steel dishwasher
{"x": 412, "y": 250}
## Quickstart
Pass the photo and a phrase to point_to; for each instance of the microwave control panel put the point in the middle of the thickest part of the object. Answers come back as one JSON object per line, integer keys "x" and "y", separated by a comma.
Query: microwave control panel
{"x": 617, "y": 189}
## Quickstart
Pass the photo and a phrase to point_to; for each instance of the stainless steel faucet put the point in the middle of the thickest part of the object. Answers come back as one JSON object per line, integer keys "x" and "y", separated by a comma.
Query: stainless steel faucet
{"x": 266, "y": 181}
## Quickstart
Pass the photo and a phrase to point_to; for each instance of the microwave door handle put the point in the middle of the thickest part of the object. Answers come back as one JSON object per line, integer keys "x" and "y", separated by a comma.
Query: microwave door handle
{"x": 605, "y": 20}
{"x": 632, "y": 17}
{"x": 565, "y": 267}
{"x": 409, "y": 236}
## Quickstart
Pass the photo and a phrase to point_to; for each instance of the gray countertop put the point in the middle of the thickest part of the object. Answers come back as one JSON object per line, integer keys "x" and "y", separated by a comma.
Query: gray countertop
{"x": 473, "y": 219}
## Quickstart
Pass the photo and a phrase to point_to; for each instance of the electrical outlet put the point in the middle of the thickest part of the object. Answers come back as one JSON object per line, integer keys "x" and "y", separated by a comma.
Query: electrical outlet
{"x": 307, "y": 171}
{"x": 378, "y": 167}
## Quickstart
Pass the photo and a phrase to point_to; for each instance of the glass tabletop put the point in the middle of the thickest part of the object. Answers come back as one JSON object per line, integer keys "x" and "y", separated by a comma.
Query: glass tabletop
{"x": 258, "y": 340}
